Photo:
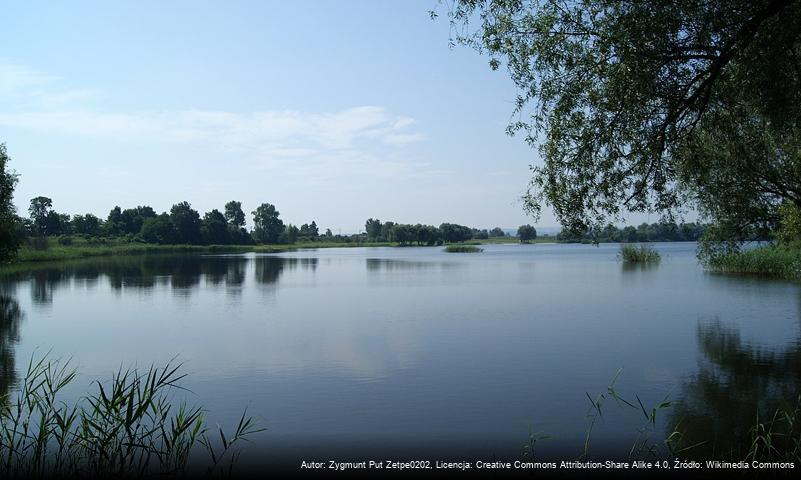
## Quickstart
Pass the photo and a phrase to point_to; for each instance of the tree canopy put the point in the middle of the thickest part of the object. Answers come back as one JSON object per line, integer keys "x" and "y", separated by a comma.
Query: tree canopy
{"x": 651, "y": 106}
{"x": 187, "y": 223}
{"x": 8, "y": 218}
{"x": 267, "y": 227}
{"x": 234, "y": 214}
{"x": 526, "y": 233}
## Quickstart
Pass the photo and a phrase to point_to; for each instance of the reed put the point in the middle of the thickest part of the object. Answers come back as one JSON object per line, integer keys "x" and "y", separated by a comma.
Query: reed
{"x": 774, "y": 438}
{"x": 773, "y": 261}
{"x": 128, "y": 427}
{"x": 638, "y": 254}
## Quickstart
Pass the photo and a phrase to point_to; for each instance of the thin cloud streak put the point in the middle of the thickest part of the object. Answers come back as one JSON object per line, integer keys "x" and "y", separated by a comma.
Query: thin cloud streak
{"x": 285, "y": 130}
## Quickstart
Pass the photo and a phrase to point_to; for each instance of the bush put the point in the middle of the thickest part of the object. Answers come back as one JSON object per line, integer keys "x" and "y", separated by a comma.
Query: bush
{"x": 96, "y": 241}
{"x": 789, "y": 232}
{"x": 39, "y": 243}
{"x": 65, "y": 240}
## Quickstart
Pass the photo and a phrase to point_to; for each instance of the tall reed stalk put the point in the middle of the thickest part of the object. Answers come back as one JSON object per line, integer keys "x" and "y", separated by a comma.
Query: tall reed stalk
{"x": 128, "y": 427}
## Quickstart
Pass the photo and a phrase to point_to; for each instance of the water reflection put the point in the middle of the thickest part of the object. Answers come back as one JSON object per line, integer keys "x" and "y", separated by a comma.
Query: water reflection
{"x": 268, "y": 269}
{"x": 736, "y": 383}
{"x": 639, "y": 267}
{"x": 10, "y": 317}
{"x": 388, "y": 265}
{"x": 227, "y": 271}
{"x": 183, "y": 274}
{"x": 391, "y": 265}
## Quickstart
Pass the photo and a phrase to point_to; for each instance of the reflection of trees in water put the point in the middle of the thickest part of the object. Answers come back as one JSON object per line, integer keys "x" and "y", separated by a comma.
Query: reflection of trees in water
{"x": 639, "y": 266}
{"x": 269, "y": 268}
{"x": 309, "y": 264}
{"x": 183, "y": 273}
{"x": 43, "y": 283}
{"x": 10, "y": 316}
{"x": 735, "y": 383}
{"x": 388, "y": 265}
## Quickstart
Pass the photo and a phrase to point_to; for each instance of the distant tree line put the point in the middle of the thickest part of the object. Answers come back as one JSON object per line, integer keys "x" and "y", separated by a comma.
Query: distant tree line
{"x": 654, "y": 232}
{"x": 184, "y": 225}
{"x": 181, "y": 225}
{"x": 408, "y": 234}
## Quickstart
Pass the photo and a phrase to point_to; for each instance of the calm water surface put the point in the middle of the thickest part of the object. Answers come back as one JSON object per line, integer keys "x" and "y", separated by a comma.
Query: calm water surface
{"x": 414, "y": 351}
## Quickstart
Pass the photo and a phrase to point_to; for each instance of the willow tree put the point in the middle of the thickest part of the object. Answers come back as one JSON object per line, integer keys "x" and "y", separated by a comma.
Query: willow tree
{"x": 651, "y": 106}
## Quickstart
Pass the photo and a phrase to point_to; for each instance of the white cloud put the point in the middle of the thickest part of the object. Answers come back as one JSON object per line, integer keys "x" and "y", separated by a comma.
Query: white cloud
{"x": 16, "y": 78}
{"x": 288, "y": 131}
{"x": 34, "y": 101}
{"x": 32, "y": 88}
{"x": 362, "y": 141}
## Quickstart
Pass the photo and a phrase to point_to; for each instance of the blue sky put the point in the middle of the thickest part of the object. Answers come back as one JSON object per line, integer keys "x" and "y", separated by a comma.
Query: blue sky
{"x": 332, "y": 111}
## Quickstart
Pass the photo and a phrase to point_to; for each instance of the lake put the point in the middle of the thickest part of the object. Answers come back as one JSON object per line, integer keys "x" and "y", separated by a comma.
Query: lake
{"x": 414, "y": 352}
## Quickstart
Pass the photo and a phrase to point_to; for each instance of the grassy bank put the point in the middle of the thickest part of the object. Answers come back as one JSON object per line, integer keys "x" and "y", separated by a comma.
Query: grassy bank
{"x": 82, "y": 249}
{"x": 774, "y": 261}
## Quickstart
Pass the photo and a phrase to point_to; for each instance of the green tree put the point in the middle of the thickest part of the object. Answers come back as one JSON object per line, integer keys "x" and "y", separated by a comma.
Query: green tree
{"x": 402, "y": 233}
{"x": 236, "y": 224}
{"x": 130, "y": 220}
{"x": 648, "y": 106}
{"x": 526, "y": 233}
{"x": 373, "y": 228}
{"x": 234, "y": 214}
{"x": 214, "y": 228}
{"x": 289, "y": 235}
{"x": 789, "y": 232}
{"x": 159, "y": 229}
{"x": 427, "y": 234}
{"x": 386, "y": 232}
{"x": 58, "y": 223}
{"x": 267, "y": 226}
{"x": 480, "y": 234}
{"x": 451, "y": 232}
{"x": 186, "y": 221}
{"x": 497, "y": 232}
{"x": 87, "y": 225}
{"x": 630, "y": 234}
{"x": 41, "y": 213}
{"x": 9, "y": 238}
{"x": 114, "y": 224}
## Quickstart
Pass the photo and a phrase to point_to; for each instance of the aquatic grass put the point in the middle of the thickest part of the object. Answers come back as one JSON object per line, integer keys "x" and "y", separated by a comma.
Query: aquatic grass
{"x": 643, "y": 443}
{"x": 638, "y": 254}
{"x": 773, "y": 260}
{"x": 773, "y": 439}
{"x": 128, "y": 427}
{"x": 463, "y": 249}
{"x": 779, "y": 437}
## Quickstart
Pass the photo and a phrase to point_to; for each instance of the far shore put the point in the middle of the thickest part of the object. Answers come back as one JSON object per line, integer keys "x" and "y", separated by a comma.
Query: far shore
{"x": 55, "y": 252}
